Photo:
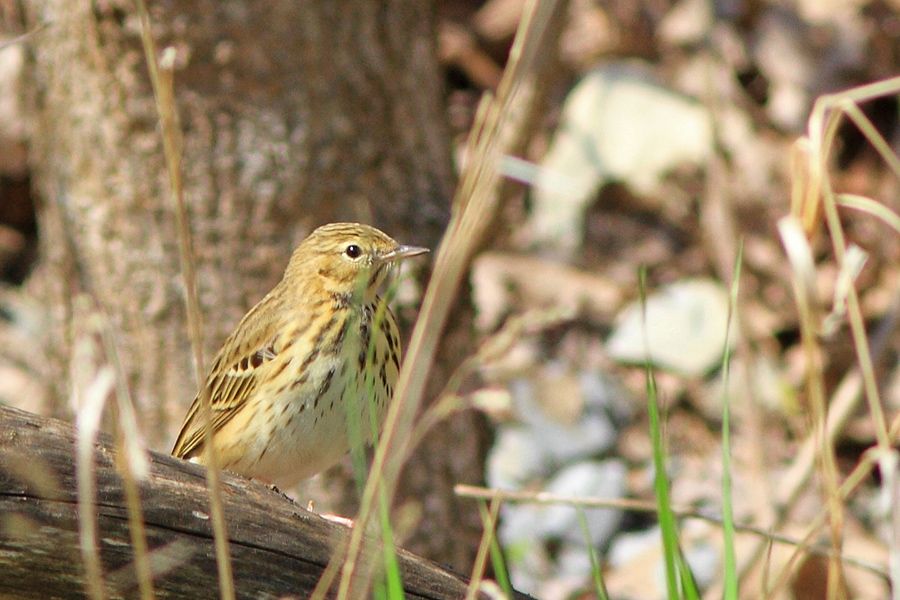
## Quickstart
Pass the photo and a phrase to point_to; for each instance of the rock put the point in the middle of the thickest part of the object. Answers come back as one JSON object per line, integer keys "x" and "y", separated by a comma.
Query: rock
{"x": 771, "y": 388}
{"x": 515, "y": 459}
{"x": 636, "y": 561}
{"x": 683, "y": 326}
{"x": 705, "y": 562}
{"x": 538, "y": 523}
{"x": 529, "y": 566}
{"x": 618, "y": 123}
{"x": 602, "y": 393}
{"x": 635, "y": 567}
{"x": 590, "y": 433}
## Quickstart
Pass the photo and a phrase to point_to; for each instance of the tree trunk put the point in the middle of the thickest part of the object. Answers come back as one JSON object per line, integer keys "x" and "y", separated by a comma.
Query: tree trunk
{"x": 294, "y": 114}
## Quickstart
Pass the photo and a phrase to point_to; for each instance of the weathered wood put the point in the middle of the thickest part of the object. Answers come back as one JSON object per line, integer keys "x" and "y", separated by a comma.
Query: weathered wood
{"x": 278, "y": 548}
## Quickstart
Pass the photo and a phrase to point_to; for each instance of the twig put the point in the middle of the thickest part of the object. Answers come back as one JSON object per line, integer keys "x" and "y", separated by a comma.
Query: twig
{"x": 644, "y": 506}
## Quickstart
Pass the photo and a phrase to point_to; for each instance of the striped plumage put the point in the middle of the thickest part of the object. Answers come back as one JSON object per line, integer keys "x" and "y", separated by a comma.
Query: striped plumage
{"x": 286, "y": 379}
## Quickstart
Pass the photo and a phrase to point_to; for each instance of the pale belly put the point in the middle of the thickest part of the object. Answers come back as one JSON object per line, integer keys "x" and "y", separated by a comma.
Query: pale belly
{"x": 304, "y": 431}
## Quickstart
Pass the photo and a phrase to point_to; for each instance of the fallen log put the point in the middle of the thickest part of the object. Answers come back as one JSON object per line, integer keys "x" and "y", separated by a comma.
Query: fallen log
{"x": 278, "y": 549}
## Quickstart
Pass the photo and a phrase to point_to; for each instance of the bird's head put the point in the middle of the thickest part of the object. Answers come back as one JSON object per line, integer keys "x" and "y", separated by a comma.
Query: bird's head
{"x": 348, "y": 258}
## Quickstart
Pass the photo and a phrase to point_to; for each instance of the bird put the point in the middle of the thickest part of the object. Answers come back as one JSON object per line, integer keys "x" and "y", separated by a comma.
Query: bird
{"x": 312, "y": 365}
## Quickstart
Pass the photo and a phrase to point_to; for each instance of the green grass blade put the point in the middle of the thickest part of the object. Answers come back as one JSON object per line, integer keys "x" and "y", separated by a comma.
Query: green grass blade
{"x": 660, "y": 482}
{"x": 596, "y": 573}
{"x": 661, "y": 489}
{"x": 679, "y": 579}
{"x": 390, "y": 586}
{"x": 499, "y": 564}
{"x": 392, "y": 578}
{"x": 686, "y": 578}
{"x": 729, "y": 576}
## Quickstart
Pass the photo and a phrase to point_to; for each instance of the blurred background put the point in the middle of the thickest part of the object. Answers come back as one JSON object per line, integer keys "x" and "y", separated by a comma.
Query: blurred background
{"x": 667, "y": 138}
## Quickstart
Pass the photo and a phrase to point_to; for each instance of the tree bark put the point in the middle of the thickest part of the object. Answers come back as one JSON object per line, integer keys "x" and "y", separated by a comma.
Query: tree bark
{"x": 278, "y": 549}
{"x": 294, "y": 114}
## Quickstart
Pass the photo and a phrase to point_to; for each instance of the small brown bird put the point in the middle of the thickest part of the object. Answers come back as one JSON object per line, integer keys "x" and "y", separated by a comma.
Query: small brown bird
{"x": 320, "y": 349}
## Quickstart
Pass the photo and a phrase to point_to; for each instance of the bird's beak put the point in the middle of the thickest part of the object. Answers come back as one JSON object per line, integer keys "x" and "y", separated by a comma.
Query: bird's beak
{"x": 401, "y": 252}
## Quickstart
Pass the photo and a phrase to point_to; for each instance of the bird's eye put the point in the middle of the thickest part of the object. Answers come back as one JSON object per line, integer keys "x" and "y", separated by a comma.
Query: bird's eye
{"x": 353, "y": 251}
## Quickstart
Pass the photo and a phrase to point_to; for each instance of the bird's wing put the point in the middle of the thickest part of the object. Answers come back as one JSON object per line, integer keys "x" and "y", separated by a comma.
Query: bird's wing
{"x": 234, "y": 376}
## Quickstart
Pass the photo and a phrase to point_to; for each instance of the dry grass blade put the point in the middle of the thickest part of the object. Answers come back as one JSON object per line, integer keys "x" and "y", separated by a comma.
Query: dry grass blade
{"x": 850, "y": 485}
{"x": 133, "y": 464}
{"x": 800, "y": 256}
{"x": 823, "y": 125}
{"x": 489, "y": 522}
{"x": 806, "y": 212}
{"x": 813, "y": 199}
{"x": 162, "y": 560}
{"x": 872, "y": 134}
{"x": 834, "y": 107}
{"x": 496, "y": 129}
{"x": 869, "y": 206}
{"x": 890, "y": 496}
{"x": 844, "y": 401}
{"x": 89, "y": 397}
{"x": 803, "y": 268}
{"x": 161, "y": 77}
{"x": 853, "y": 264}
{"x": 25, "y": 37}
